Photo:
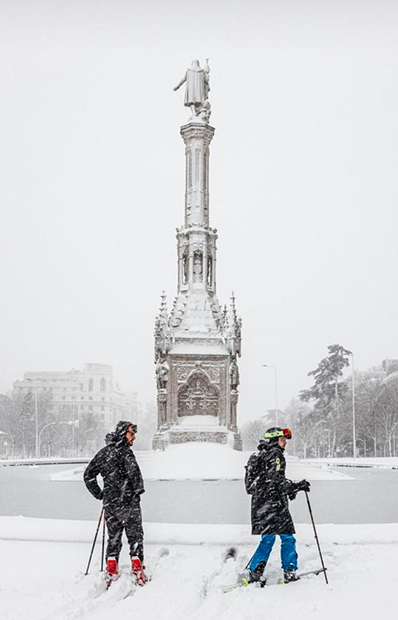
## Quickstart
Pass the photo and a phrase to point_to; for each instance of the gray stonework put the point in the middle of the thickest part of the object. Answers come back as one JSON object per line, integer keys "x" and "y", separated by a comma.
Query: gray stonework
{"x": 197, "y": 342}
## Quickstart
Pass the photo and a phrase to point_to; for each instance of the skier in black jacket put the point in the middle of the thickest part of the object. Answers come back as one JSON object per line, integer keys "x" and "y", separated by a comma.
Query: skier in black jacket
{"x": 123, "y": 485}
{"x": 270, "y": 490}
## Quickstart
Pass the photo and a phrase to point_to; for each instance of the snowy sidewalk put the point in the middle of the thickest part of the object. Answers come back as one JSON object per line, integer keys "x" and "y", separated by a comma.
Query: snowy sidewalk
{"x": 45, "y": 580}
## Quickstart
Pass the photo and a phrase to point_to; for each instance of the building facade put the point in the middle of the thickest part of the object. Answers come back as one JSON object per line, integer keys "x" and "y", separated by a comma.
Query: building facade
{"x": 76, "y": 392}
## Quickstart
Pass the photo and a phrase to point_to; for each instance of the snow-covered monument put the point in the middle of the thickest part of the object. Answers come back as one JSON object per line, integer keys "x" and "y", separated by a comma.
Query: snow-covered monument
{"x": 198, "y": 342}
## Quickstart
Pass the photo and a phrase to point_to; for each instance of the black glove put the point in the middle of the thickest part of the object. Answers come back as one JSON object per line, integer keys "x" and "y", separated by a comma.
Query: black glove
{"x": 303, "y": 485}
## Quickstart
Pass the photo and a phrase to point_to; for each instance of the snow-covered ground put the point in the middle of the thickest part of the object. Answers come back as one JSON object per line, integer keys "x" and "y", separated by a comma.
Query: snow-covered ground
{"x": 388, "y": 462}
{"x": 43, "y": 560}
{"x": 202, "y": 461}
{"x": 43, "y": 564}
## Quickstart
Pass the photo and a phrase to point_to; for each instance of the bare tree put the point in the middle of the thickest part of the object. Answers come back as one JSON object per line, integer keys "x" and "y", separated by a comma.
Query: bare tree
{"x": 252, "y": 432}
{"x": 146, "y": 418}
{"x": 304, "y": 429}
{"x": 387, "y": 412}
{"x": 293, "y": 415}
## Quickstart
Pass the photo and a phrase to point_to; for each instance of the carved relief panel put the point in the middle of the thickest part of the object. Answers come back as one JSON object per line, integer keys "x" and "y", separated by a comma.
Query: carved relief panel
{"x": 212, "y": 369}
{"x": 198, "y": 387}
{"x": 198, "y": 396}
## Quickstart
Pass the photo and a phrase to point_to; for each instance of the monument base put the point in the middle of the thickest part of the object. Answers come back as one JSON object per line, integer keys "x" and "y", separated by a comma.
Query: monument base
{"x": 175, "y": 436}
{"x": 185, "y": 436}
{"x": 237, "y": 442}
{"x": 160, "y": 441}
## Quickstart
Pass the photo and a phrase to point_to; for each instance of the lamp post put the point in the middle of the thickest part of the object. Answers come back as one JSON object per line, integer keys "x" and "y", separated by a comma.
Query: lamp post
{"x": 70, "y": 423}
{"x": 354, "y": 443}
{"x": 44, "y": 428}
{"x": 37, "y": 443}
{"x": 37, "y": 447}
{"x": 276, "y": 390}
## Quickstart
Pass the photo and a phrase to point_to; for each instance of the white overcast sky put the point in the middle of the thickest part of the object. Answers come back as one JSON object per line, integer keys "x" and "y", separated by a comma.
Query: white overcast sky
{"x": 303, "y": 181}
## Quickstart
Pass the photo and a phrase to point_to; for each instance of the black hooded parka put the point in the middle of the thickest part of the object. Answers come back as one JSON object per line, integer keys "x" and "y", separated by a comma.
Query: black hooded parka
{"x": 270, "y": 491}
{"x": 123, "y": 483}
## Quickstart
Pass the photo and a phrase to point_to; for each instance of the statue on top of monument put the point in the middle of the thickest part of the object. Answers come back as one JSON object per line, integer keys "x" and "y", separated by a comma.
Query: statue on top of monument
{"x": 197, "y": 90}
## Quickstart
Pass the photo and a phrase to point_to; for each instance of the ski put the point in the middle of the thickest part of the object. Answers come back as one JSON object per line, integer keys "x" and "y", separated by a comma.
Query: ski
{"x": 129, "y": 578}
{"x": 316, "y": 571}
{"x": 243, "y": 580}
{"x": 163, "y": 552}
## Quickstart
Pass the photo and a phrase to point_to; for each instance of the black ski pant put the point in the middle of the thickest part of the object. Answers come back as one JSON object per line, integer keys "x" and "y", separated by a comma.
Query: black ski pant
{"x": 132, "y": 525}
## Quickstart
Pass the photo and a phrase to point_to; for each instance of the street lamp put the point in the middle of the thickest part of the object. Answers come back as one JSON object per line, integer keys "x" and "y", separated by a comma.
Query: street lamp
{"x": 276, "y": 390}
{"x": 354, "y": 443}
{"x": 37, "y": 448}
{"x": 70, "y": 423}
{"x": 37, "y": 444}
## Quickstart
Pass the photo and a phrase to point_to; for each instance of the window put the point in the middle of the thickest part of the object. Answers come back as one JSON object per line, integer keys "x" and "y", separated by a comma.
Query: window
{"x": 90, "y": 398}
{"x": 90, "y": 385}
{"x": 103, "y": 384}
{"x": 102, "y": 408}
{"x": 81, "y": 387}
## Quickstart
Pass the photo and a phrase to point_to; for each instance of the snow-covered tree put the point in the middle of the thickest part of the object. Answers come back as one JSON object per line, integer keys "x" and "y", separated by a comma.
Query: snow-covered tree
{"x": 328, "y": 391}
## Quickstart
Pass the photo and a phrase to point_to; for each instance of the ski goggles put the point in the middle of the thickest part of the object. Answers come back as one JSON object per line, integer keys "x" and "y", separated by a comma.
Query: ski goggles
{"x": 132, "y": 428}
{"x": 283, "y": 432}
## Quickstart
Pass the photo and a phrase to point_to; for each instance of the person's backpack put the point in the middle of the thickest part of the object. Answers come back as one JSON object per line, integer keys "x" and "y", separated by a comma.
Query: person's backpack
{"x": 252, "y": 473}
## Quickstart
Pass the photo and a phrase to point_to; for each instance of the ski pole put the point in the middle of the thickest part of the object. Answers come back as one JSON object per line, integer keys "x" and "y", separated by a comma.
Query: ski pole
{"x": 95, "y": 540}
{"x": 250, "y": 561}
{"x": 103, "y": 546}
{"x": 316, "y": 536}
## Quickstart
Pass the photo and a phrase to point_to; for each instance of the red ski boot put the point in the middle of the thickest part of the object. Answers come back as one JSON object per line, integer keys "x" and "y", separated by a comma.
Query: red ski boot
{"x": 138, "y": 571}
{"x": 111, "y": 571}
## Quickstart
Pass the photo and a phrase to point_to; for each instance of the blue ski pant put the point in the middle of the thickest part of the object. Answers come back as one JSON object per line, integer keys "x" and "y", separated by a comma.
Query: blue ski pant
{"x": 288, "y": 551}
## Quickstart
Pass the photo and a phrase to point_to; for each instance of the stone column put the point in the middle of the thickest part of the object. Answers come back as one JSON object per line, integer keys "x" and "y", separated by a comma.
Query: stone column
{"x": 214, "y": 263}
{"x": 190, "y": 269}
{"x": 234, "y": 407}
{"x": 162, "y": 409}
{"x": 197, "y": 137}
{"x": 205, "y": 264}
{"x": 159, "y": 441}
